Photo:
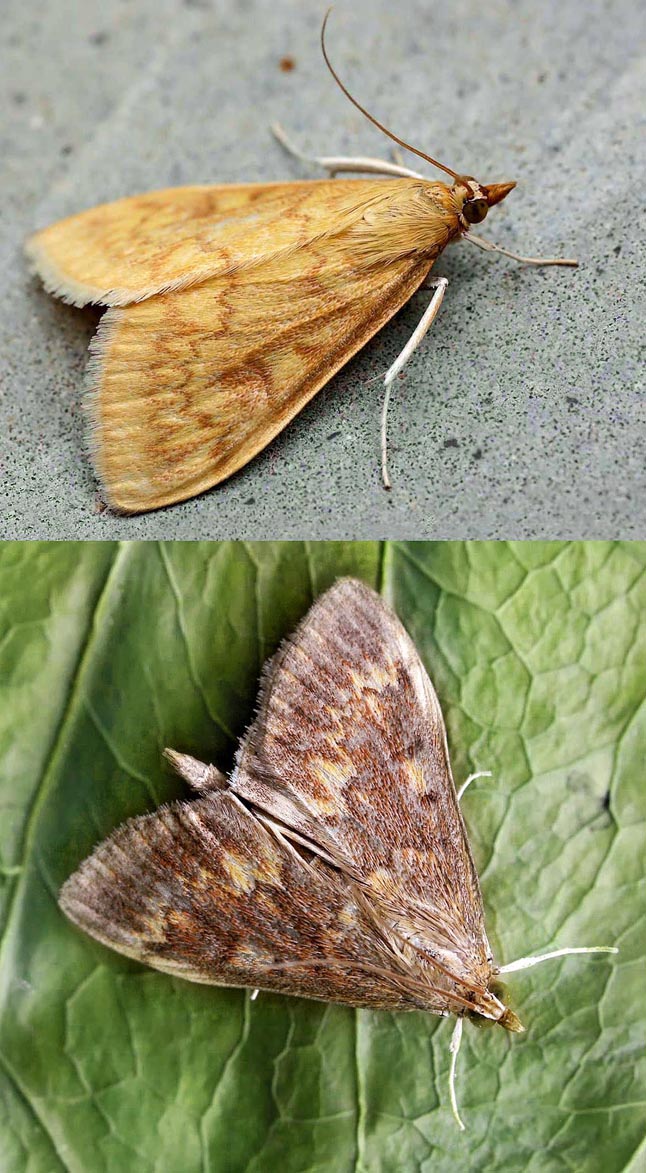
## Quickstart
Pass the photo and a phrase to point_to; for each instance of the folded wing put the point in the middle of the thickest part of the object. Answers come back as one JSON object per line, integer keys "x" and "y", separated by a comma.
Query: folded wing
{"x": 135, "y": 247}
{"x": 188, "y": 386}
{"x": 230, "y": 307}
{"x": 204, "y": 891}
{"x": 348, "y": 750}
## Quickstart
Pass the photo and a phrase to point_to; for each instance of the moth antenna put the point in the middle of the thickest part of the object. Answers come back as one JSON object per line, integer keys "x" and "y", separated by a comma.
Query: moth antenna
{"x": 528, "y": 962}
{"x": 366, "y": 113}
{"x": 454, "y": 1047}
{"x": 472, "y": 778}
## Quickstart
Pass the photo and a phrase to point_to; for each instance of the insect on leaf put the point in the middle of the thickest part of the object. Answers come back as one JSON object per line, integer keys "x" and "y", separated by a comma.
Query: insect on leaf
{"x": 343, "y": 800}
{"x": 334, "y": 863}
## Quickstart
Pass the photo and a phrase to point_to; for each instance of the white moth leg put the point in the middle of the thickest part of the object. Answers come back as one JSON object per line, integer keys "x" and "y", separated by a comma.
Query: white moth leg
{"x": 496, "y": 248}
{"x": 472, "y": 778}
{"x": 454, "y": 1047}
{"x": 253, "y": 995}
{"x": 337, "y": 163}
{"x": 528, "y": 962}
{"x": 413, "y": 342}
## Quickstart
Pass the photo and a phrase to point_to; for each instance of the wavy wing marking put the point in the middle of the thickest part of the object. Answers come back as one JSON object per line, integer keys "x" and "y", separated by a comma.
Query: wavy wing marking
{"x": 132, "y": 248}
{"x": 188, "y": 386}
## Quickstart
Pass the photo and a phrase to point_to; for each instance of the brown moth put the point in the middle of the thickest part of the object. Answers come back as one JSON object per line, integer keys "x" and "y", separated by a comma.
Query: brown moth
{"x": 228, "y": 307}
{"x": 334, "y": 862}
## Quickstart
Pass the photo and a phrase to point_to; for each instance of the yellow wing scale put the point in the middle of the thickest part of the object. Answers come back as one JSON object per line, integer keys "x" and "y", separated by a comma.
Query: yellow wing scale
{"x": 136, "y": 247}
{"x": 230, "y": 307}
{"x": 188, "y": 386}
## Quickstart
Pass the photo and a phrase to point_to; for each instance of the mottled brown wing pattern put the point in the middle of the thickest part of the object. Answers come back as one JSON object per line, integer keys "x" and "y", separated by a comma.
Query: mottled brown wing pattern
{"x": 349, "y": 751}
{"x": 204, "y": 891}
{"x": 334, "y": 862}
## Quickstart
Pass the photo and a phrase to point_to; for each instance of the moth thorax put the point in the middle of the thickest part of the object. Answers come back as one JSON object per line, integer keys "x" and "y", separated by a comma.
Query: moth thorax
{"x": 486, "y": 1004}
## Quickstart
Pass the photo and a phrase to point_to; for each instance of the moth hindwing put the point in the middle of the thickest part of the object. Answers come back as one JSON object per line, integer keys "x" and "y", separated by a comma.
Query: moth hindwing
{"x": 334, "y": 863}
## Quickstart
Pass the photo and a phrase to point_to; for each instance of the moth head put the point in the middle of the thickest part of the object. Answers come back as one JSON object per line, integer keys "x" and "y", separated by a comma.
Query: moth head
{"x": 488, "y": 1009}
{"x": 478, "y": 198}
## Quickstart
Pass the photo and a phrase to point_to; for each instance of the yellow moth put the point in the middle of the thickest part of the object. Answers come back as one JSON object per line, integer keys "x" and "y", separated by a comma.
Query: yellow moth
{"x": 229, "y": 307}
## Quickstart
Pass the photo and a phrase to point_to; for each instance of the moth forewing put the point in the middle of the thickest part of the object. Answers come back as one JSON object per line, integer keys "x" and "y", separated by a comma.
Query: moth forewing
{"x": 205, "y": 891}
{"x": 142, "y": 245}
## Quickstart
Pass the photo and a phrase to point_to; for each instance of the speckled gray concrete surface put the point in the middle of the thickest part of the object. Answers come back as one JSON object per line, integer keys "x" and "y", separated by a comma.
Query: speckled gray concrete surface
{"x": 520, "y": 416}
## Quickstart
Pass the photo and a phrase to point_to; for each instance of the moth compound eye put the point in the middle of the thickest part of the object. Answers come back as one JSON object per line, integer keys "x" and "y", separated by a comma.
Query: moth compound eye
{"x": 475, "y": 210}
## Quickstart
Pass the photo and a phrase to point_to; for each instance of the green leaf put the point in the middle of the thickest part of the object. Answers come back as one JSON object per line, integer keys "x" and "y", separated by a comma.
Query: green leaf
{"x": 108, "y": 653}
